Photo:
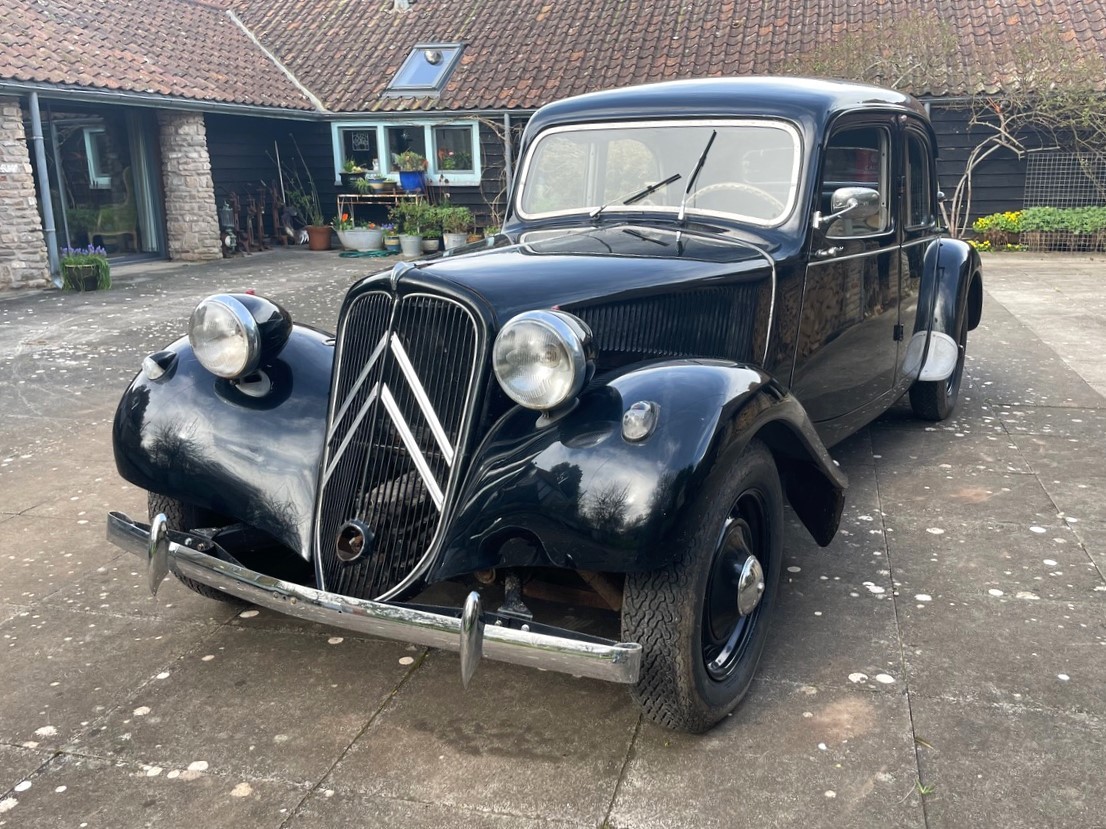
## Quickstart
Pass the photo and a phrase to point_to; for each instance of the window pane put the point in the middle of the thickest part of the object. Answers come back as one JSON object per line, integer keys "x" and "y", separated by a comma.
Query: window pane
{"x": 401, "y": 139}
{"x": 919, "y": 201}
{"x": 426, "y": 68}
{"x": 453, "y": 149}
{"x": 360, "y": 145}
{"x": 857, "y": 158}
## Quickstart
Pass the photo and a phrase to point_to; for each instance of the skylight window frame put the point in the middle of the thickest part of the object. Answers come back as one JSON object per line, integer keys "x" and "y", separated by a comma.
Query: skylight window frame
{"x": 418, "y": 52}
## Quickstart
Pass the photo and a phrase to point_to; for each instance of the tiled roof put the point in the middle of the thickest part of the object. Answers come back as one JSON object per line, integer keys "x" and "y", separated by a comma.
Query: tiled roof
{"x": 182, "y": 48}
{"x": 519, "y": 54}
{"x": 524, "y": 53}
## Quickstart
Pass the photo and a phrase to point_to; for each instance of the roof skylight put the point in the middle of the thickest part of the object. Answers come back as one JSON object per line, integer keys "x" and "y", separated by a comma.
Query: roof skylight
{"x": 426, "y": 69}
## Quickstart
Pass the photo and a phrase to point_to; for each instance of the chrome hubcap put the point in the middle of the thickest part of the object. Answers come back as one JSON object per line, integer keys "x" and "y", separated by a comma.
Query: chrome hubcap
{"x": 750, "y": 586}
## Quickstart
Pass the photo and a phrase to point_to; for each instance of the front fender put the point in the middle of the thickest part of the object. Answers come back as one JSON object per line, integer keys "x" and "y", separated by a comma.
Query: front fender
{"x": 951, "y": 287}
{"x": 576, "y": 494}
{"x": 253, "y": 456}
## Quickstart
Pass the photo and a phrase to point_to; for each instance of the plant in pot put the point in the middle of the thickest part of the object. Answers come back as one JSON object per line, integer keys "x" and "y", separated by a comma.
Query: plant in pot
{"x": 410, "y": 217}
{"x": 306, "y": 203}
{"x": 431, "y": 227}
{"x": 391, "y": 237}
{"x": 85, "y": 269}
{"x": 351, "y": 173}
{"x": 411, "y": 166}
{"x": 456, "y": 224}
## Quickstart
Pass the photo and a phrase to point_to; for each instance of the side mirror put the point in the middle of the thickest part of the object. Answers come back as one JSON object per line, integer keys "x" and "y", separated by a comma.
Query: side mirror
{"x": 855, "y": 202}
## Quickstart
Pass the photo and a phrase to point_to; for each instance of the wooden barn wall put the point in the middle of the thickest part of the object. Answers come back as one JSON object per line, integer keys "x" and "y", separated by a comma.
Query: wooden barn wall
{"x": 998, "y": 184}
{"x": 243, "y": 153}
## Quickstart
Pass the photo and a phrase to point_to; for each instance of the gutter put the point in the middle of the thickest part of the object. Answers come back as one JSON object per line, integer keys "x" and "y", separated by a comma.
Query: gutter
{"x": 155, "y": 101}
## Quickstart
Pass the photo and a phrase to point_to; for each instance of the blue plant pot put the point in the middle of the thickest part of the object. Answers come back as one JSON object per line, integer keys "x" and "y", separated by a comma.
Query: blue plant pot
{"x": 411, "y": 181}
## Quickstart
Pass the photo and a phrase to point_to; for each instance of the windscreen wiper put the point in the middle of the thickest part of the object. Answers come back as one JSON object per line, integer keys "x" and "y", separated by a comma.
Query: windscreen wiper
{"x": 634, "y": 198}
{"x": 695, "y": 175}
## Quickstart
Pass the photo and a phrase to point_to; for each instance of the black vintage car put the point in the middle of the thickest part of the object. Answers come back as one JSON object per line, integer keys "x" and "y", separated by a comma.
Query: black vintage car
{"x": 701, "y": 286}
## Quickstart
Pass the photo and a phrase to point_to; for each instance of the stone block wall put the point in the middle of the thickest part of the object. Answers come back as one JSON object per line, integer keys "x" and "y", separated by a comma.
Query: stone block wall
{"x": 191, "y": 220}
{"x": 23, "y": 261}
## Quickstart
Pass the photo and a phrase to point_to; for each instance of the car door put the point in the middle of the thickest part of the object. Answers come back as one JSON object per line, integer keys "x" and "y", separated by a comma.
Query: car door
{"x": 846, "y": 352}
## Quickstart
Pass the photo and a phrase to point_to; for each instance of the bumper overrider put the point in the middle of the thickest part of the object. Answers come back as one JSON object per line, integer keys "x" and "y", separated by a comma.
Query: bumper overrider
{"x": 470, "y": 631}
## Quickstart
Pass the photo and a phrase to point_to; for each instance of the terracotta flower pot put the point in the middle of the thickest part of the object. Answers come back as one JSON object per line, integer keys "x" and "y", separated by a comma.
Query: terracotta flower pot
{"x": 318, "y": 237}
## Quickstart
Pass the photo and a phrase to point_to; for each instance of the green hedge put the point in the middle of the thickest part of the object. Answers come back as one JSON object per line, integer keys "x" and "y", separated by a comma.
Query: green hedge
{"x": 1079, "y": 220}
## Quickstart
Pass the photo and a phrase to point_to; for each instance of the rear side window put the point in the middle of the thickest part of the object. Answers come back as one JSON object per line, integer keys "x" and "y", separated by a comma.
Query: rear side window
{"x": 919, "y": 188}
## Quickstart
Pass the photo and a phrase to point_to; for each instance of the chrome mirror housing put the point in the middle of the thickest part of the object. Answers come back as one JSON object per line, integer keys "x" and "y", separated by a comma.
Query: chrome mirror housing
{"x": 856, "y": 202}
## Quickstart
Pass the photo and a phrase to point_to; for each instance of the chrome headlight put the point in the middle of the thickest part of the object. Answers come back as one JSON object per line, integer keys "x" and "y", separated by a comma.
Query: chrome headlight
{"x": 540, "y": 358}
{"x": 224, "y": 336}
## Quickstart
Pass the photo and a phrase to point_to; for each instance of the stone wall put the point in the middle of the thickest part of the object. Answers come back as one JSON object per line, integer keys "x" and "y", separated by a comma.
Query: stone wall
{"x": 22, "y": 246}
{"x": 191, "y": 220}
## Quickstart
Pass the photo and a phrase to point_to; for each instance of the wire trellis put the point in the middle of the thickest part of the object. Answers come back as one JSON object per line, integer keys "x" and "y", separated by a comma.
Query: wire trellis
{"x": 1059, "y": 179}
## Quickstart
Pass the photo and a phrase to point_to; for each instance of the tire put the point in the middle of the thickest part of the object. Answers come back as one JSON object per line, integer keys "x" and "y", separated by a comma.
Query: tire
{"x": 936, "y": 400}
{"x": 184, "y": 517}
{"x": 689, "y": 679}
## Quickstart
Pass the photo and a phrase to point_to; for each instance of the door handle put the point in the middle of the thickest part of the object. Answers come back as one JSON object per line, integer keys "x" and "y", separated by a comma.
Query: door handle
{"x": 825, "y": 253}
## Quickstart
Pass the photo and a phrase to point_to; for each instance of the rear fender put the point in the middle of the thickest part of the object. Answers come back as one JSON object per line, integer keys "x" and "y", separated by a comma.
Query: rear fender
{"x": 951, "y": 287}
{"x": 249, "y": 453}
{"x": 576, "y": 494}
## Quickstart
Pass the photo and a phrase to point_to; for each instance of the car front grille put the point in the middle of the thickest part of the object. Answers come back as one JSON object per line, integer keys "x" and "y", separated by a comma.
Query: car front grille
{"x": 402, "y": 402}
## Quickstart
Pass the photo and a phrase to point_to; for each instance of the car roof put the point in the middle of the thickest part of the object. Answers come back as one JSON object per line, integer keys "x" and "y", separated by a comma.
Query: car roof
{"x": 813, "y": 102}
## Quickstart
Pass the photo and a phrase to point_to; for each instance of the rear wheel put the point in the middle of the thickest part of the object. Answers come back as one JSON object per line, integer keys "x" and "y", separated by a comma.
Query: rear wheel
{"x": 935, "y": 400}
{"x": 703, "y": 621}
{"x": 183, "y": 517}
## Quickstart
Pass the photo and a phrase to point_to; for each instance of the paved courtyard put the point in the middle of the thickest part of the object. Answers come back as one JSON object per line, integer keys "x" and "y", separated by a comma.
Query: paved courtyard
{"x": 942, "y": 663}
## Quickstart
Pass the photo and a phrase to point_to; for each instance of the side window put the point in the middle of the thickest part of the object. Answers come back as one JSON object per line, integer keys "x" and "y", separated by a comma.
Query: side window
{"x": 919, "y": 191}
{"x": 858, "y": 157}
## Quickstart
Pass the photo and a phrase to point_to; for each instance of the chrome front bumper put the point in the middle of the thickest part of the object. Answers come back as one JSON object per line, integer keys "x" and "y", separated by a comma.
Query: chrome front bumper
{"x": 473, "y": 634}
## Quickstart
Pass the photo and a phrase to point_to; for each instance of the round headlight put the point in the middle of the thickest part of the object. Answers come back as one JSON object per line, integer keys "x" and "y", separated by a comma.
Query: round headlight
{"x": 225, "y": 337}
{"x": 540, "y": 358}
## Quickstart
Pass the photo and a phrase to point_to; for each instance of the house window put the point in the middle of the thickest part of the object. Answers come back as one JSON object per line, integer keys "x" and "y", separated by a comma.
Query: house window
{"x": 452, "y": 149}
{"x": 360, "y": 146}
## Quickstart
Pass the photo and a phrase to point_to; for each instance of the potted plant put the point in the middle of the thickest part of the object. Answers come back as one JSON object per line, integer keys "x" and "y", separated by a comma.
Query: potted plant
{"x": 85, "y": 269}
{"x": 456, "y": 223}
{"x": 411, "y": 166}
{"x": 410, "y": 217}
{"x": 351, "y": 173}
{"x": 431, "y": 227}
{"x": 365, "y": 236}
{"x": 391, "y": 238}
{"x": 306, "y": 203}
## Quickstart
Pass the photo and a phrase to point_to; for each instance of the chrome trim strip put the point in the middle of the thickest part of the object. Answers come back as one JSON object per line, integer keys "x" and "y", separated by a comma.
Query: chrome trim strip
{"x": 352, "y": 393}
{"x": 412, "y": 446}
{"x": 422, "y": 399}
{"x": 830, "y": 260}
{"x": 607, "y": 660}
{"x": 341, "y": 450}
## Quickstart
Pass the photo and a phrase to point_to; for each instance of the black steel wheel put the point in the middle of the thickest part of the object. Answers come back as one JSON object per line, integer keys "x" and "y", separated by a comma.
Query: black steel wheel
{"x": 182, "y": 516}
{"x": 703, "y": 621}
{"x": 935, "y": 400}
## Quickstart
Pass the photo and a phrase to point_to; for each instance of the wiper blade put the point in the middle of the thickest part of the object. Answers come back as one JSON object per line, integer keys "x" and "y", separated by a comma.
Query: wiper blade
{"x": 634, "y": 198}
{"x": 695, "y": 175}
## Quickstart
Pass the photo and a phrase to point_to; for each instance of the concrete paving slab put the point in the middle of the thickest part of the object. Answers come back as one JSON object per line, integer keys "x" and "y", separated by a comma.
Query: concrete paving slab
{"x": 1054, "y": 456}
{"x": 791, "y": 755}
{"x": 120, "y": 588}
{"x": 335, "y": 808}
{"x": 92, "y": 792}
{"x": 1065, "y": 423}
{"x": 278, "y": 706}
{"x": 992, "y": 561}
{"x": 1010, "y": 651}
{"x": 1028, "y": 371}
{"x": 938, "y": 496}
{"x": 1092, "y": 537}
{"x": 906, "y": 447}
{"x": 1009, "y": 766}
{"x": 17, "y": 764}
{"x": 75, "y": 667}
{"x": 516, "y": 741}
{"x": 41, "y": 556}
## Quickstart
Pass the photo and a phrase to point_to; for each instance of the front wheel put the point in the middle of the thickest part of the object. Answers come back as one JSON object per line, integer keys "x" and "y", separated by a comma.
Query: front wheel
{"x": 703, "y": 620}
{"x": 182, "y": 516}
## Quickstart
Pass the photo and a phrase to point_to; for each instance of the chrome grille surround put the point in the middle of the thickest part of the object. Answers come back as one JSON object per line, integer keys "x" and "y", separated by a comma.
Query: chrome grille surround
{"x": 403, "y": 397}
